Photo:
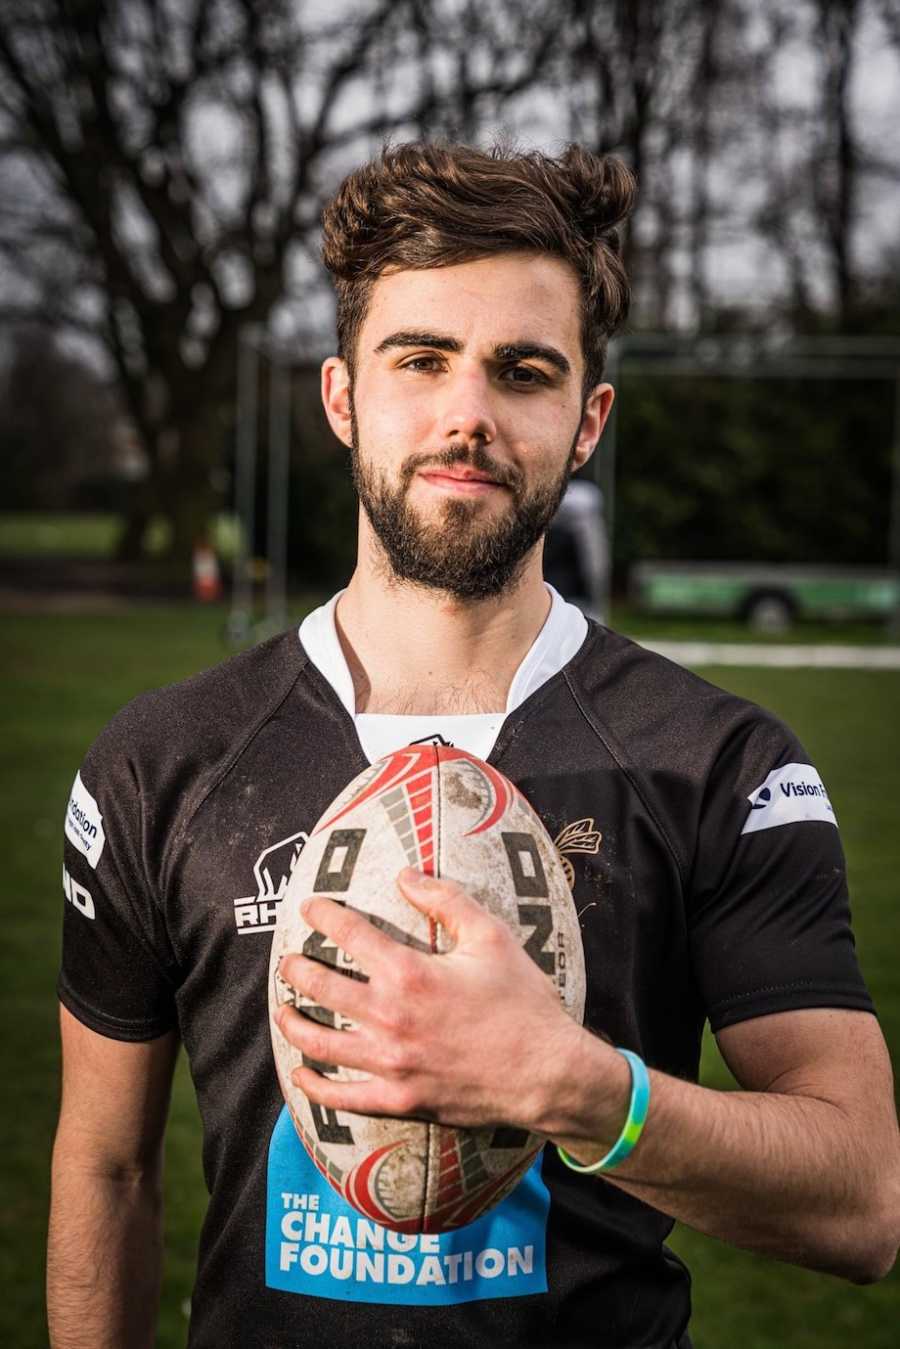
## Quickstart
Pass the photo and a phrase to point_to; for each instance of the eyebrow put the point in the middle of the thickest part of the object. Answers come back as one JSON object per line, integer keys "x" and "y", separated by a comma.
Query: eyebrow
{"x": 413, "y": 338}
{"x": 506, "y": 351}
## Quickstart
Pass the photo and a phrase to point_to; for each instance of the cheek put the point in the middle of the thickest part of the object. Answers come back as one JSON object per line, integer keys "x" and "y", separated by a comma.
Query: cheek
{"x": 389, "y": 422}
{"x": 542, "y": 429}
{"x": 544, "y": 451}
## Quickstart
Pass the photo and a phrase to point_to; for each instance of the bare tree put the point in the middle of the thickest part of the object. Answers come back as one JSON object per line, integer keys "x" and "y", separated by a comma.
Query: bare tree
{"x": 836, "y": 162}
{"x": 163, "y": 162}
{"x": 60, "y": 427}
{"x": 642, "y": 78}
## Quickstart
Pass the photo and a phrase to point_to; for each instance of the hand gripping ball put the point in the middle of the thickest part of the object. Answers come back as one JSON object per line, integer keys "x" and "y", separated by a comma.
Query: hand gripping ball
{"x": 449, "y": 814}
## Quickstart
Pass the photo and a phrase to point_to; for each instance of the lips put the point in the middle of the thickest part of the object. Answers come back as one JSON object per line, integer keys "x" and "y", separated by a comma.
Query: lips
{"x": 466, "y": 483}
{"x": 460, "y": 475}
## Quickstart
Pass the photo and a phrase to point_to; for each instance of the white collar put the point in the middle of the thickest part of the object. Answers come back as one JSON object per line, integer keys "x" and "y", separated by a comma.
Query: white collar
{"x": 561, "y": 636}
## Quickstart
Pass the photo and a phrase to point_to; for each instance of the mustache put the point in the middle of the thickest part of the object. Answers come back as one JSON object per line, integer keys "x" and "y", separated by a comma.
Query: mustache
{"x": 478, "y": 458}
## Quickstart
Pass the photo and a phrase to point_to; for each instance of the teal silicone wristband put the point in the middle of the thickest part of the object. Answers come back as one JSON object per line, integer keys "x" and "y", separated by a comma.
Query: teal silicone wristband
{"x": 634, "y": 1124}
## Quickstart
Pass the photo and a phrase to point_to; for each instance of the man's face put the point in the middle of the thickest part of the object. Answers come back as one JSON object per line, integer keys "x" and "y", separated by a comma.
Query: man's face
{"x": 466, "y": 417}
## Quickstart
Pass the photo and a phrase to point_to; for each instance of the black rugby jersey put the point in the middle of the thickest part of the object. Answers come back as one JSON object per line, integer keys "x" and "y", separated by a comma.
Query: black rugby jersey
{"x": 709, "y": 878}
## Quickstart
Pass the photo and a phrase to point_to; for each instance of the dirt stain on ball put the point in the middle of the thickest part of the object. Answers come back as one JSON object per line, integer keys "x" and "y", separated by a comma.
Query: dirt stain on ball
{"x": 462, "y": 795}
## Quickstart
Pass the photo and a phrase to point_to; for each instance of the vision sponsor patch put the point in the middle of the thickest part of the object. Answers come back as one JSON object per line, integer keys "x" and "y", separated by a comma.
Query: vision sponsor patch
{"x": 789, "y": 795}
{"x": 318, "y": 1245}
{"x": 84, "y": 823}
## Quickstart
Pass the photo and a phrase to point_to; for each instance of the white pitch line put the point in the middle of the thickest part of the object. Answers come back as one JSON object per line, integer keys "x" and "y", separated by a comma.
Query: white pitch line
{"x": 785, "y": 657}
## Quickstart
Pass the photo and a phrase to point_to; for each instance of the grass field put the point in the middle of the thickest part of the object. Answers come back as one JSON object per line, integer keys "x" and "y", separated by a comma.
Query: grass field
{"x": 63, "y": 535}
{"x": 88, "y": 535}
{"x": 64, "y": 676}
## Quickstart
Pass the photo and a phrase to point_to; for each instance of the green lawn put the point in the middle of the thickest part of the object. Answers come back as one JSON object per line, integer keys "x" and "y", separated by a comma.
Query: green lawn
{"x": 64, "y": 676}
{"x": 626, "y": 618}
{"x": 57, "y": 534}
{"x": 86, "y": 534}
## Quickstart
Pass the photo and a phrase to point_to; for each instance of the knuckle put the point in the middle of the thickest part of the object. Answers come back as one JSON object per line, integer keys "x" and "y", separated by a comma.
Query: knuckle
{"x": 405, "y": 1099}
{"x": 311, "y": 1042}
{"x": 395, "y": 1060}
{"x": 411, "y": 973}
{"x": 310, "y": 979}
{"x": 394, "y": 1018}
{"x": 343, "y": 927}
{"x": 335, "y": 920}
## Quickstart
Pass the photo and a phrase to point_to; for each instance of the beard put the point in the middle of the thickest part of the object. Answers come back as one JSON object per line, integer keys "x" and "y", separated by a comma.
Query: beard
{"x": 461, "y": 553}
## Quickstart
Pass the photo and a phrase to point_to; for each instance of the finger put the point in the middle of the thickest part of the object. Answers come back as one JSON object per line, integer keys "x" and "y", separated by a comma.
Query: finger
{"x": 373, "y": 1097}
{"x": 443, "y": 900}
{"x": 351, "y": 931}
{"x": 326, "y": 987}
{"x": 343, "y": 1048}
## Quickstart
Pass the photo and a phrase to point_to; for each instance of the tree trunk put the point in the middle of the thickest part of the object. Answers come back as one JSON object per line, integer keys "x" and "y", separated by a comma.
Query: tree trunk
{"x": 188, "y": 494}
{"x": 190, "y": 512}
{"x": 142, "y": 505}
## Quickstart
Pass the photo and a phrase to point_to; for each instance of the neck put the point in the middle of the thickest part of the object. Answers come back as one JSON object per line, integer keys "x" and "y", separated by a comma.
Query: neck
{"x": 411, "y": 649}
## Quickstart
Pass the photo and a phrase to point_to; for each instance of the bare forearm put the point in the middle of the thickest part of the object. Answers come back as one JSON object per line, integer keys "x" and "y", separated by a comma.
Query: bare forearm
{"x": 788, "y": 1176}
{"x": 805, "y": 1166}
{"x": 104, "y": 1257}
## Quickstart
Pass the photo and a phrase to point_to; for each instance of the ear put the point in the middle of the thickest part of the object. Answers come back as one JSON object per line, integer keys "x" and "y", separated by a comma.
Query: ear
{"x": 596, "y": 411}
{"x": 336, "y": 397}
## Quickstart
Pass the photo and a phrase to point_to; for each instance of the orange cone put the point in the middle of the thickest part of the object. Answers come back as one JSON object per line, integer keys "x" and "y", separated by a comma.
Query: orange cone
{"x": 207, "y": 578}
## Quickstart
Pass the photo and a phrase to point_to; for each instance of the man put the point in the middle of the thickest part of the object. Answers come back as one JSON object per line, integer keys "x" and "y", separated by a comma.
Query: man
{"x": 476, "y": 293}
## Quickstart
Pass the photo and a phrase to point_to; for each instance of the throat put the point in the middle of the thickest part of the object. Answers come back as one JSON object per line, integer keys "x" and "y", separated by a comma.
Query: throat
{"x": 412, "y": 654}
{"x": 479, "y": 693}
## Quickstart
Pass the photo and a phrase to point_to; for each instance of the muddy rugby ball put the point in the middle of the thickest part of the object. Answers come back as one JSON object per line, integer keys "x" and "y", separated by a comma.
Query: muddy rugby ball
{"x": 450, "y": 814}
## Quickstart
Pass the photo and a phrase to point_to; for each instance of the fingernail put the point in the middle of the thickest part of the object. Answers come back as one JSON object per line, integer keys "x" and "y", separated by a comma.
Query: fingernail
{"x": 413, "y": 877}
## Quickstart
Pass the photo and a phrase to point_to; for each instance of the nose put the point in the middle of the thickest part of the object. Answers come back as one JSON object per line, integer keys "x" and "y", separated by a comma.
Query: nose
{"x": 466, "y": 412}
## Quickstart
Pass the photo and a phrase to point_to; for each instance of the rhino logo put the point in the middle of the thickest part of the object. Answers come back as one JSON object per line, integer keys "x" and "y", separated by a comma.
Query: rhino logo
{"x": 271, "y": 871}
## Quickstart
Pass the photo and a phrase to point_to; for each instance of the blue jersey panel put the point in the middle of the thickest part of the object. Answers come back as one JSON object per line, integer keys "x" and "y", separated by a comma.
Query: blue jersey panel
{"x": 318, "y": 1245}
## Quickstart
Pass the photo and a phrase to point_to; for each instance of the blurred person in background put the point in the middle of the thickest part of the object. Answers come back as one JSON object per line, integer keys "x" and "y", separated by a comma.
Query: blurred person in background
{"x": 576, "y": 549}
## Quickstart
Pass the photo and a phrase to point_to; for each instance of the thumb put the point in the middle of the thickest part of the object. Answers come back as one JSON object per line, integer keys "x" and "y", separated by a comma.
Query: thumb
{"x": 444, "y": 901}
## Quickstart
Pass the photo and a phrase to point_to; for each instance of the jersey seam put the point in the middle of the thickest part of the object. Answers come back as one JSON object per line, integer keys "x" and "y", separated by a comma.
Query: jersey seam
{"x": 540, "y": 696}
{"x": 68, "y": 995}
{"x": 618, "y": 760}
{"x": 826, "y": 986}
{"x": 227, "y": 767}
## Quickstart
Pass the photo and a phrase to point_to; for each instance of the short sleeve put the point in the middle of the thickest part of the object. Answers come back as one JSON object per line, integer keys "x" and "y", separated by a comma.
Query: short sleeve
{"x": 769, "y": 912}
{"x": 118, "y": 973}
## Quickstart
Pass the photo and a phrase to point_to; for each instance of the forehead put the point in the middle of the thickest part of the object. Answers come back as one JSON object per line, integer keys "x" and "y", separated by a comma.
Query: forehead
{"x": 490, "y": 301}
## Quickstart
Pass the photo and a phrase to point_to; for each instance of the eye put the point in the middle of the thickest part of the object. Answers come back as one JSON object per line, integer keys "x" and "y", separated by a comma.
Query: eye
{"x": 525, "y": 376}
{"x": 423, "y": 363}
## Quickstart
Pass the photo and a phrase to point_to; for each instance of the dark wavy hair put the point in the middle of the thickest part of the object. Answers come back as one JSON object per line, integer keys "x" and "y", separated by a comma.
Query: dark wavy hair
{"x": 427, "y": 204}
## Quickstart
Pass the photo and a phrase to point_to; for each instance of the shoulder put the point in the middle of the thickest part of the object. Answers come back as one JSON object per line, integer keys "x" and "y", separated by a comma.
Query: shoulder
{"x": 659, "y": 712}
{"x": 691, "y": 751}
{"x": 216, "y": 702}
{"x": 171, "y": 739}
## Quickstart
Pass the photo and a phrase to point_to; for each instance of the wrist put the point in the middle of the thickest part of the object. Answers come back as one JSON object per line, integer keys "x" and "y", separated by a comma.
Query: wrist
{"x": 586, "y": 1096}
{"x": 633, "y": 1127}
